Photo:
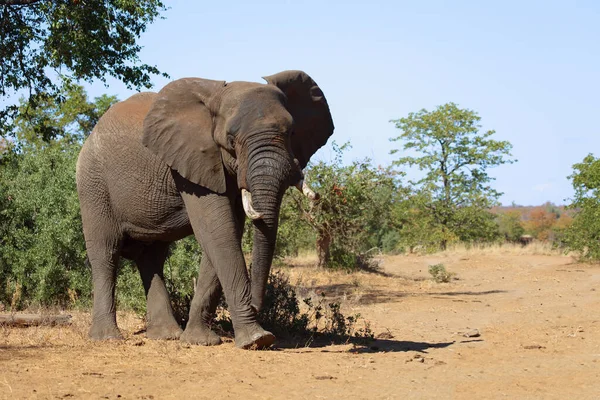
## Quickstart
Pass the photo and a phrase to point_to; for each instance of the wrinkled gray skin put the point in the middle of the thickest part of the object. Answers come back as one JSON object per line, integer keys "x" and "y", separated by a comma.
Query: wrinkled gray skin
{"x": 159, "y": 167}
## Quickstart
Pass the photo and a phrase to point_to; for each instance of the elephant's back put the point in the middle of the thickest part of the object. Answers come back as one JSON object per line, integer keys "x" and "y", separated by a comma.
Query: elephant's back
{"x": 125, "y": 119}
{"x": 117, "y": 135}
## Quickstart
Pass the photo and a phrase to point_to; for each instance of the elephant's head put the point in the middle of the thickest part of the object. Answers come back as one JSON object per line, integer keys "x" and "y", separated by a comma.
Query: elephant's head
{"x": 263, "y": 135}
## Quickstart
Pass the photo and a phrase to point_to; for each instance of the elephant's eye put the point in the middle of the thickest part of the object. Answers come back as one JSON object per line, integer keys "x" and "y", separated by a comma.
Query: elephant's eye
{"x": 231, "y": 142}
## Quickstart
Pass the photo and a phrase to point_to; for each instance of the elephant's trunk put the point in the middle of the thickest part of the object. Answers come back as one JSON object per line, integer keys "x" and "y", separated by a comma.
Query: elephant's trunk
{"x": 265, "y": 235}
{"x": 269, "y": 169}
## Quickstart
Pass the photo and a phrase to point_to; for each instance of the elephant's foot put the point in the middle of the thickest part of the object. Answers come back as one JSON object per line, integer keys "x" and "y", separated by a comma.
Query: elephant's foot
{"x": 103, "y": 331}
{"x": 200, "y": 335}
{"x": 252, "y": 336}
{"x": 163, "y": 331}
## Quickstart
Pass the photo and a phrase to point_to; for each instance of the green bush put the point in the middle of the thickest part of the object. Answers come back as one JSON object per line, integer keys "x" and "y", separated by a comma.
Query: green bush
{"x": 353, "y": 214}
{"x": 130, "y": 290}
{"x": 181, "y": 271}
{"x": 281, "y": 311}
{"x": 440, "y": 274}
{"x": 42, "y": 248}
{"x": 42, "y": 251}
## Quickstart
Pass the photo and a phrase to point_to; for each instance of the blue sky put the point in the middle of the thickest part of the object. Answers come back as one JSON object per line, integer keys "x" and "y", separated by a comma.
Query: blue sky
{"x": 531, "y": 69}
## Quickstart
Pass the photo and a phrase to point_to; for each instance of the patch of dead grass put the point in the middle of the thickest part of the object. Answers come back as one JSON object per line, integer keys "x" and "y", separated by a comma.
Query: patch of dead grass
{"x": 536, "y": 248}
{"x": 74, "y": 334}
{"x": 350, "y": 289}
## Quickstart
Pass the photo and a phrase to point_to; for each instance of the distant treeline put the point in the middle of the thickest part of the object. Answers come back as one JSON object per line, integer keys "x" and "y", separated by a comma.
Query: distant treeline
{"x": 546, "y": 222}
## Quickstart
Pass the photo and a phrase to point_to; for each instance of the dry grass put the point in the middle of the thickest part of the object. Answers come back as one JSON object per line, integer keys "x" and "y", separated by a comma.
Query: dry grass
{"x": 355, "y": 289}
{"x": 350, "y": 289}
{"x": 536, "y": 248}
{"x": 303, "y": 259}
{"x": 74, "y": 334}
{"x": 308, "y": 258}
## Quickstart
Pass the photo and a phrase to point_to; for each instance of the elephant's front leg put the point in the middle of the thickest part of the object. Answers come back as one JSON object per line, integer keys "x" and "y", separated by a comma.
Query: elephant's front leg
{"x": 202, "y": 310}
{"x": 215, "y": 226}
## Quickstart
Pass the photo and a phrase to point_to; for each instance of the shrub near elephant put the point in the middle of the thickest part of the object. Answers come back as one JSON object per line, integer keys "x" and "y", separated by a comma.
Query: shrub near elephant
{"x": 193, "y": 159}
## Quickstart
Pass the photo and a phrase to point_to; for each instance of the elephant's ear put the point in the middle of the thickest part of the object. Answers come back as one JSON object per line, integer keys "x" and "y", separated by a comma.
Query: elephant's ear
{"x": 307, "y": 104}
{"x": 179, "y": 129}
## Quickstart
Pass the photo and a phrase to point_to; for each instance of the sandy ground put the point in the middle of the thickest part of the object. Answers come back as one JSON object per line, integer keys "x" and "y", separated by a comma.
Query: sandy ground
{"x": 538, "y": 317}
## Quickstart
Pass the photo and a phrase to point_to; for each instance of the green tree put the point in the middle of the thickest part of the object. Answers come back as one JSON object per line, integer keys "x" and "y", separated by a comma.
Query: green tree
{"x": 73, "y": 39}
{"x": 454, "y": 155}
{"x": 475, "y": 223}
{"x": 416, "y": 227}
{"x": 583, "y": 234}
{"x": 510, "y": 226}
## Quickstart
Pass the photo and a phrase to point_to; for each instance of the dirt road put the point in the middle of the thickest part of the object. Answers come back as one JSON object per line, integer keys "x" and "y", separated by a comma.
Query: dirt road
{"x": 532, "y": 325}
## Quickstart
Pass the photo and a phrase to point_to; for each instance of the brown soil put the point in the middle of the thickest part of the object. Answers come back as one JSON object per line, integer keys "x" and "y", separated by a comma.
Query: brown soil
{"x": 538, "y": 319}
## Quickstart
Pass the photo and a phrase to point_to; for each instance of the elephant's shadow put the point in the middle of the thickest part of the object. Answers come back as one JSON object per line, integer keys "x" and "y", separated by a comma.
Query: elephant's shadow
{"x": 359, "y": 345}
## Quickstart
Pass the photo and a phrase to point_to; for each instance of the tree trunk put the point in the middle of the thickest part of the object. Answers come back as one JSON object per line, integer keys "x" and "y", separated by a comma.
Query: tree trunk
{"x": 323, "y": 248}
{"x": 444, "y": 242}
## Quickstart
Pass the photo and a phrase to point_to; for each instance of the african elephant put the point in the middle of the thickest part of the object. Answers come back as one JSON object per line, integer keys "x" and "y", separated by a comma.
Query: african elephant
{"x": 193, "y": 158}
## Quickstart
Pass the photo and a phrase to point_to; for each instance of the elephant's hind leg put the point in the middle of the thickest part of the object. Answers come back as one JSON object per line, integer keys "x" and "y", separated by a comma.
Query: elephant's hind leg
{"x": 160, "y": 322}
{"x": 103, "y": 243}
{"x": 204, "y": 304}
{"x": 103, "y": 255}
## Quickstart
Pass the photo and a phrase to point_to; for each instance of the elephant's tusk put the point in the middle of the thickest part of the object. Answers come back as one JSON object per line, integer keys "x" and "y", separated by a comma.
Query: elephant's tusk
{"x": 248, "y": 207}
{"x": 306, "y": 190}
